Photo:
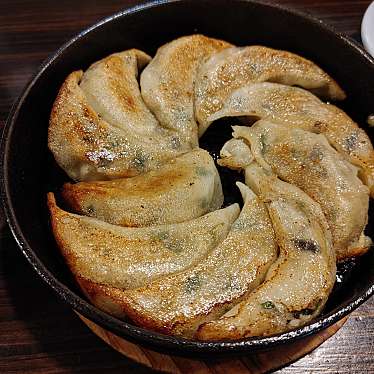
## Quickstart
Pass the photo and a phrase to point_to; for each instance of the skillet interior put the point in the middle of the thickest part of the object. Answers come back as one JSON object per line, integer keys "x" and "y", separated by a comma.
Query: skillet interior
{"x": 29, "y": 170}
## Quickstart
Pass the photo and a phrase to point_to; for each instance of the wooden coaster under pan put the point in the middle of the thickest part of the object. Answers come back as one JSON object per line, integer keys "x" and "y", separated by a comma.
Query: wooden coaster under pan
{"x": 257, "y": 363}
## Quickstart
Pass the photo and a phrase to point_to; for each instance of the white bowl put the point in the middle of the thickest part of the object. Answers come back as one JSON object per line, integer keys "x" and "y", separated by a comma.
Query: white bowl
{"x": 367, "y": 29}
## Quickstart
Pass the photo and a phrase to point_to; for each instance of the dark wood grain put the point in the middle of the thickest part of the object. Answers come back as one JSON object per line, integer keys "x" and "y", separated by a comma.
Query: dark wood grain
{"x": 40, "y": 334}
{"x": 257, "y": 363}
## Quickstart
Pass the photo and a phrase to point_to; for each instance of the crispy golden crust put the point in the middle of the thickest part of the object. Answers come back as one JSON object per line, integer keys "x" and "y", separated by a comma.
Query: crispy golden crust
{"x": 121, "y": 302}
{"x": 100, "y": 128}
{"x": 76, "y": 132}
{"x": 357, "y": 248}
{"x": 179, "y": 303}
{"x": 128, "y": 257}
{"x": 167, "y": 83}
{"x": 354, "y": 252}
{"x": 308, "y": 161}
{"x": 101, "y": 296}
{"x": 298, "y": 108}
{"x": 57, "y": 214}
{"x": 185, "y": 188}
{"x": 236, "y": 67}
{"x": 117, "y": 302}
{"x": 298, "y": 284}
{"x": 190, "y": 282}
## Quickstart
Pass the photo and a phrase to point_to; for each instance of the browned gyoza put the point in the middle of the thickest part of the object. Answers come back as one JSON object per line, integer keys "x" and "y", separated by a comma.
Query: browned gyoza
{"x": 179, "y": 303}
{"x": 100, "y": 127}
{"x": 298, "y": 284}
{"x": 183, "y": 188}
{"x": 233, "y": 68}
{"x": 298, "y": 108}
{"x": 167, "y": 83}
{"x": 128, "y": 257}
{"x": 309, "y": 162}
{"x": 146, "y": 240}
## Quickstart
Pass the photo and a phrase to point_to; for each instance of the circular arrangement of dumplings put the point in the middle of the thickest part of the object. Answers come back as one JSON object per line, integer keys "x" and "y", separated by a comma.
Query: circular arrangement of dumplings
{"x": 146, "y": 236}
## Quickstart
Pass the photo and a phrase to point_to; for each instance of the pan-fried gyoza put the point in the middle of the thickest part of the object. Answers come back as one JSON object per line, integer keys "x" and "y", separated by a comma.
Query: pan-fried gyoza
{"x": 179, "y": 303}
{"x": 167, "y": 83}
{"x": 100, "y": 128}
{"x": 143, "y": 230}
{"x": 295, "y": 107}
{"x": 131, "y": 257}
{"x": 309, "y": 162}
{"x": 184, "y": 188}
{"x": 298, "y": 284}
{"x": 235, "y": 67}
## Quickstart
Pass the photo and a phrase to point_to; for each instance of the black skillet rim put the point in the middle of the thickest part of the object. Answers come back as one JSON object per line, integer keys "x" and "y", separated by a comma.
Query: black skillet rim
{"x": 124, "y": 329}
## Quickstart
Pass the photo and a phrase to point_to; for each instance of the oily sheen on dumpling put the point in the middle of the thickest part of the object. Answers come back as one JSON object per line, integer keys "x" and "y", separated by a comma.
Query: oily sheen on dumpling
{"x": 129, "y": 257}
{"x": 307, "y": 161}
{"x": 145, "y": 238}
{"x": 298, "y": 108}
{"x": 99, "y": 126}
{"x": 232, "y": 68}
{"x": 298, "y": 284}
{"x": 167, "y": 83}
{"x": 179, "y": 303}
{"x": 183, "y": 188}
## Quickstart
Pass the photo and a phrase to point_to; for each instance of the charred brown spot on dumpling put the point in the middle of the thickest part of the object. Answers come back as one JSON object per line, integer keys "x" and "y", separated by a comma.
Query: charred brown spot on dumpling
{"x": 319, "y": 127}
{"x": 306, "y": 245}
{"x": 89, "y": 139}
{"x": 88, "y": 113}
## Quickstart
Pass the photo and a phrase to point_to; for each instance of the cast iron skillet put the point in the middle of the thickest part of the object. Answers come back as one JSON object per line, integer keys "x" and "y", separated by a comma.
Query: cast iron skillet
{"x": 29, "y": 170}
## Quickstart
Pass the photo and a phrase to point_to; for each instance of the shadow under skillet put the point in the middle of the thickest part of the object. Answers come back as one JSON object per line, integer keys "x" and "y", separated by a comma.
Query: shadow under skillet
{"x": 38, "y": 333}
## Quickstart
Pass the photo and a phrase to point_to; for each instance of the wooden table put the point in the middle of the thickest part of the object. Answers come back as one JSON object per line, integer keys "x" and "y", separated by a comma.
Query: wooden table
{"x": 38, "y": 333}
